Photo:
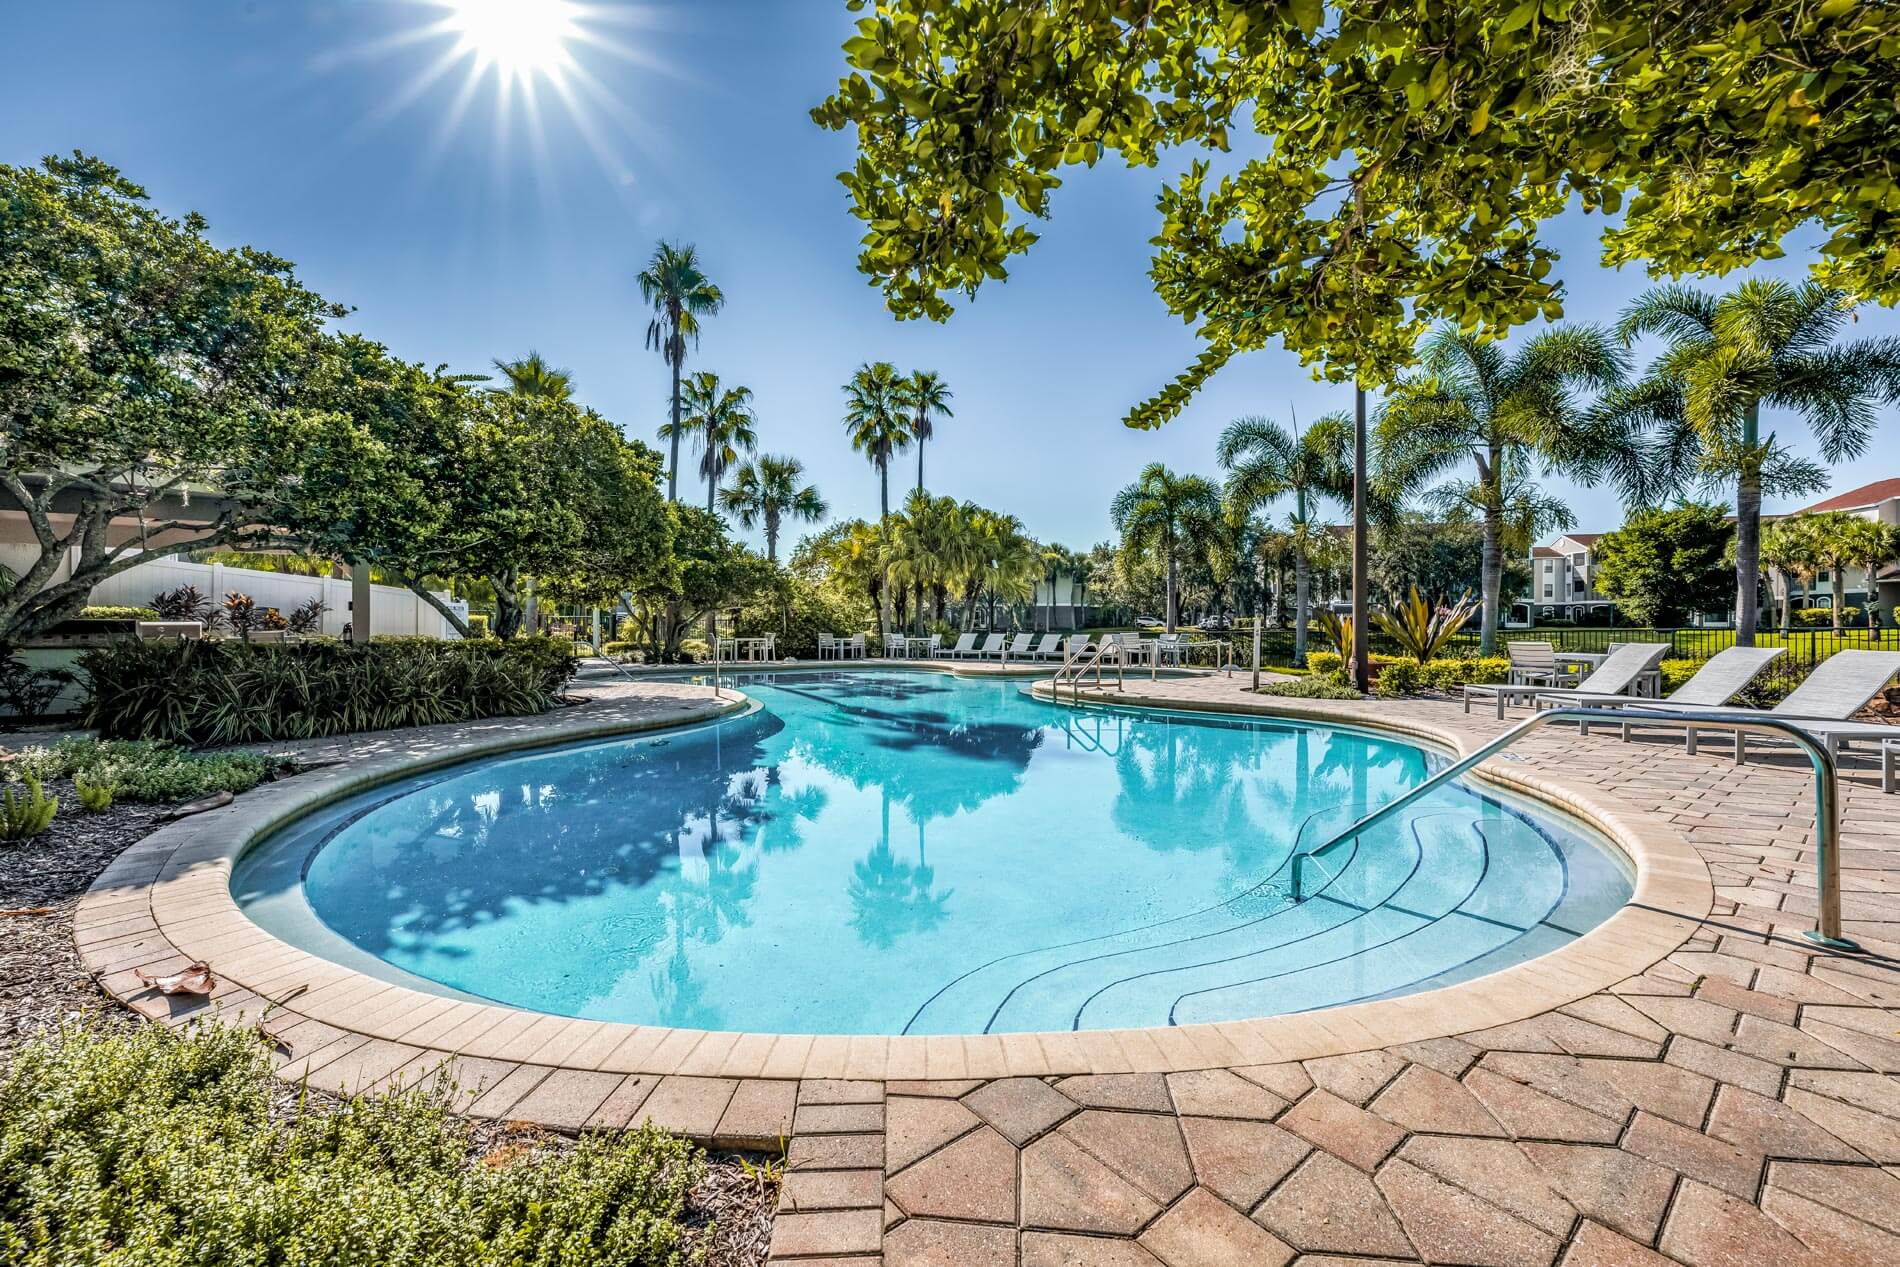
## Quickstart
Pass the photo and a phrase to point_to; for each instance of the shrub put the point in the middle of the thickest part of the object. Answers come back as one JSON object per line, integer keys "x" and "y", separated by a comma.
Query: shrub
{"x": 1325, "y": 663}
{"x": 117, "y": 613}
{"x": 478, "y": 624}
{"x": 233, "y": 692}
{"x": 158, "y": 1147}
{"x": 94, "y": 798}
{"x": 1815, "y": 617}
{"x": 621, "y": 648}
{"x": 146, "y": 769}
{"x": 187, "y": 603}
{"x": 1314, "y": 687}
{"x": 306, "y": 617}
{"x": 27, "y": 814}
{"x": 1676, "y": 672}
{"x": 26, "y": 691}
{"x": 1401, "y": 678}
{"x": 1420, "y": 629}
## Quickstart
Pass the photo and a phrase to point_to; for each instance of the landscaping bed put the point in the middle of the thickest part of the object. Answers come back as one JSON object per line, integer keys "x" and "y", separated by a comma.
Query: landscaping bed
{"x": 121, "y": 1138}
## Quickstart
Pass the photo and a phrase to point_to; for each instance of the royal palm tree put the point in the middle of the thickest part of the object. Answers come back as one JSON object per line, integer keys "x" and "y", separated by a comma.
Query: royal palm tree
{"x": 1873, "y": 548}
{"x": 1161, "y": 512}
{"x": 925, "y": 397}
{"x": 533, "y": 377}
{"x": 767, "y": 491}
{"x": 1265, "y": 462}
{"x": 722, "y": 420}
{"x": 1505, "y": 412}
{"x": 1765, "y": 344}
{"x": 875, "y": 421}
{"x": 680, "y": 296}
{"x": 1844, "y": 541}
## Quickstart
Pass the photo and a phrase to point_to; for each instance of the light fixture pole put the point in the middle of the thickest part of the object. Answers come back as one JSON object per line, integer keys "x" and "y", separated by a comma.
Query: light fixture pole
{"x": 1361, "y": 654}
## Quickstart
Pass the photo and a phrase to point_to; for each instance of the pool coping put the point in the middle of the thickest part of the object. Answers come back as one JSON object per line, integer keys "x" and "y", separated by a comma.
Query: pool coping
{"x": 167, "y": 901}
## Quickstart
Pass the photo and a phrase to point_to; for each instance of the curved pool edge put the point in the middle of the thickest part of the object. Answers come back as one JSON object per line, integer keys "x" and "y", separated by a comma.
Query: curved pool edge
{"x": 167, "y": 901}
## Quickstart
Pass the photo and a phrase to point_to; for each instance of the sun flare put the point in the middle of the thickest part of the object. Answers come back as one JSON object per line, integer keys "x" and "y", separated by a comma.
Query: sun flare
{"x": 521, "y": 39}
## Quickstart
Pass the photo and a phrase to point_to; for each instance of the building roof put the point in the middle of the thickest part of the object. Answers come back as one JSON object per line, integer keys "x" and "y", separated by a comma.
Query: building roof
{"x": 1856, "y": 498}
{"x": 1545, "y": 552}
{"x": 1581, "y": 538}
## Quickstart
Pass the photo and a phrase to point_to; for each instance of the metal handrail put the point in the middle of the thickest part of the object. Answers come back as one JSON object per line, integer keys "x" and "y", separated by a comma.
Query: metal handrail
{"x": 1080, "y": 667}
{"x": 1827, "y": 807}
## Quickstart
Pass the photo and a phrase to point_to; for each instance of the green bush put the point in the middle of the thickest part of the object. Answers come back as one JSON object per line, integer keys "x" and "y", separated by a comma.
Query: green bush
{"x": 94, "y": 798}
{"x": 1401, "y": 678}
{"x": 1452, "y": 672}
{"x": 796, "y": 611}
{"x": 234, "y": 692}
{"x": 28, "y": 814}
{"x": 1325, "y": 663}
{"x": 146, "y": 769}
{"x": 1676, "y": 672}
{"x": 118, "y": 613}
{"x": 155, "y": 1147}
{"x": 1818, "y": 617}
{"x": 1312, "y": 687}
{"x": 622, "y": 648}
{"x": 478, "y": 624}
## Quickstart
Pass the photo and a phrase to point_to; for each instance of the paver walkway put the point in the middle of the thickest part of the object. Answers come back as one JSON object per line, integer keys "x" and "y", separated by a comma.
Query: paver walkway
{"x": 1736, "y": 1104}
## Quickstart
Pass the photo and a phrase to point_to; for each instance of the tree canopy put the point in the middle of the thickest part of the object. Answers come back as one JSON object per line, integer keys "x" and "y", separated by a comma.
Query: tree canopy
{"x": 1664, "y": 565}
{"x": 1404, "y": 156}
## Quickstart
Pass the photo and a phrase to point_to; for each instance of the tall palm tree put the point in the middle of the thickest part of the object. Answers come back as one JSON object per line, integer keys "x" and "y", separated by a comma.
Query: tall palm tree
{"x": 767, "y": 491}
{"x": 680, "y": 296}
{"x": 925, "y": 396}
{"x": 1850, "y": 541}
{"x": 1873, "y": 548}
{"x": 1505, "y": 412}
{"x": 1161, "y": 512}
{"x": 532, "y": 376}
{"x": 1265, "y": 462}
{"x": 1765, "y": 344}
{"x": 721, "y": 417}
{"x": 875, "y": 421}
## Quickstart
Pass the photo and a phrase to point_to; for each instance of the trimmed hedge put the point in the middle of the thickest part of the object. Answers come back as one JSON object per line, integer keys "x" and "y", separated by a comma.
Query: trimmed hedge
{"x": 160, "y": 1149}
{"x": 237, "y": 692}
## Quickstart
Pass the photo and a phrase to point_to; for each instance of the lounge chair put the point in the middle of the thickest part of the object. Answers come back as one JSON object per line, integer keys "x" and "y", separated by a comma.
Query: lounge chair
{"x": 1075, "y": 647}
{"x": 1050, "y": 648}
{"x": 1617, "y": 674}
{"x": 1717, "y": 682}
{"x": 1533, "y": 663}
{"x": 1839, "y": 687}
{"x": 992, "y": 646}
{"x": 1019, "y": 647}
{"x": 965, "y": 646}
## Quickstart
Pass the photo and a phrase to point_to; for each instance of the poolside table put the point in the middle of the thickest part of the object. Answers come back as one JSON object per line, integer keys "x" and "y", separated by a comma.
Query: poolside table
{"x": 1647, "y": 685}
{"x": 915, "y": 644}
{"x": 752, "y": 648}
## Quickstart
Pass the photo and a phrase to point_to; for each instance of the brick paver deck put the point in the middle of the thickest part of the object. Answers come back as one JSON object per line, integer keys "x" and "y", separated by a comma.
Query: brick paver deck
{"x": 1733, "y": 1102}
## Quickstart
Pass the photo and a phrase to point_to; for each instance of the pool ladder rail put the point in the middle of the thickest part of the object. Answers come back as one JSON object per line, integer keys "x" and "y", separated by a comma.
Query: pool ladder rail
{"x": 1827, "y": 808}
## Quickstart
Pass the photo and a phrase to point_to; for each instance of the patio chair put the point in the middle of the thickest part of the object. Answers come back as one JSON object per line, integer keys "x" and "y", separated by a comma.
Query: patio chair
{"x": 830, "y": 645}
{"x": 1019, "y": 647}
{"x": 992, "y": 646}
{"x": 1615, "y": 676}
{"x": 1168, "y": 647}
{"x": 853, "y": 647}
{"x": 965, "y": 646}
{"x": 1050, "y": 648}
{"x": 1717, "y": 682}
{"x": 1839, "y": 687}
{"x": 1076, "y": 647}
{"x": 933, "y": 649}
{"x": 1536, "y": 662}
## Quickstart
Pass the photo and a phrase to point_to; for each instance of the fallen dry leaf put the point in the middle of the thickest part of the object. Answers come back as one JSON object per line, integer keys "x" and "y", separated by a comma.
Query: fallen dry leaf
{"x": 28, "y": 910}
{"x": 193, "y": 978}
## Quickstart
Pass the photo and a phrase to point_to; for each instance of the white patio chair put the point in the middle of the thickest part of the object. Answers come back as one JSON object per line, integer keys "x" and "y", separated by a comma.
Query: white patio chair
{"x": 1717, "y": 682}
{"x": 1050, "y": 648}
{"x": 965, "y": 647}
{"x": 992, "y": 646}
{"x": 1616, "y": 675}
{"x": 1533, "y": 663}
{"x": 829, "y": 645}
{"x": 1019, "y": 647}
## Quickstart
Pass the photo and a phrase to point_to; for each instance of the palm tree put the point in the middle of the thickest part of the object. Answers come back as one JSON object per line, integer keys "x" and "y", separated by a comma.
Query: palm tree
{"x": 874, "y": 420}
{"x": 1767, "y": 343}
{"x": 924, "y": 394}
{"x": 680, "y": 295}
{"x": 1789, "y": 550}
{"x": 1505, "y": 413}
{"x": 533, "y": 377}
{"x": 722, "y": 419}
{"x": 1846, "y": 541}
{"x": 1058, "y": 562}
{"x": 767, "y": 491}
{"x": 1875, "y": 546}
{"x": 1264, "y": 462}
{"x": 1161, "y": 511}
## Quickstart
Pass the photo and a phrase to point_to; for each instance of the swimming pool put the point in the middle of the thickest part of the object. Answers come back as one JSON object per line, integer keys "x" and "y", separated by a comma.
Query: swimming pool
{"x": 892, "y": 852}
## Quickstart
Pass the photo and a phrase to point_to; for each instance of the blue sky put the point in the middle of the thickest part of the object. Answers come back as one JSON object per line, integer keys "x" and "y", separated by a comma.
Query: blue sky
{"x": 311, "y": 128}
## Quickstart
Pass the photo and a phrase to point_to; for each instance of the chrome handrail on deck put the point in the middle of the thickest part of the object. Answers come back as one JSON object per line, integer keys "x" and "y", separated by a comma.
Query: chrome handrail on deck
{"x": 1078, "y": 667}
{"x": 1827, "y": 807}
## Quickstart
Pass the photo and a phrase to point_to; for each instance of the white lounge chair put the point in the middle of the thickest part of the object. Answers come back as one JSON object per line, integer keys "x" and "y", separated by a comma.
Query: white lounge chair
{"x": 1075, "y": 647}
{"x": 1050, "y": 648}
{"x": 992, "y": 646}
{"x": 965, "y": 646}
{"x": 1617, "y": 674}
{"x": 1717, "y": 682}
{"x": 1839, "y": 687}
{"x": 1019, "y": 647}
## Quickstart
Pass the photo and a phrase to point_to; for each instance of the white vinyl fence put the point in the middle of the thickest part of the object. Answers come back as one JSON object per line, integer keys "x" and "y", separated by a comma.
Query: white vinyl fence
{"x": 392, "y": 610}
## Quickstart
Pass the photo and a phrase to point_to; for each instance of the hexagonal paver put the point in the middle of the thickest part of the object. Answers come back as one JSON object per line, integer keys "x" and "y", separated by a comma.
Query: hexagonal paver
{"x": 1144, "y": 1148}
{"x": 1239, "y": 1160}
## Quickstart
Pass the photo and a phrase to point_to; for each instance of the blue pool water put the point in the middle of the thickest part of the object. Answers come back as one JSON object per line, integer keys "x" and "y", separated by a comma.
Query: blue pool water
{"x": 907, "y": 852}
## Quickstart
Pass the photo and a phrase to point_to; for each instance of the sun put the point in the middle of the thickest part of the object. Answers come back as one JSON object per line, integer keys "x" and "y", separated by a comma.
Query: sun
{"x": 521, "y": 39}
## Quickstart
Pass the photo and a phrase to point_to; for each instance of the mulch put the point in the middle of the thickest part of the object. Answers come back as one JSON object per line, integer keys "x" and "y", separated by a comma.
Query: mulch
{"x": 43, "y": 985}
